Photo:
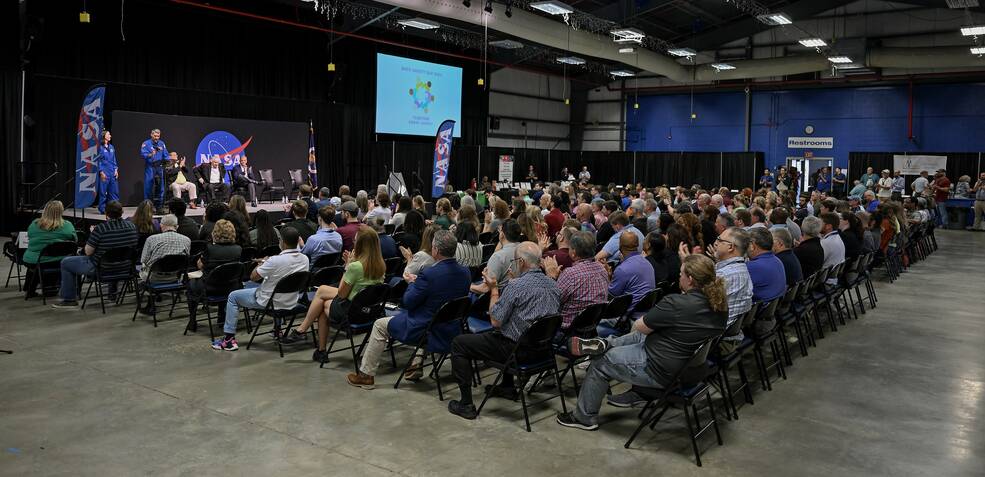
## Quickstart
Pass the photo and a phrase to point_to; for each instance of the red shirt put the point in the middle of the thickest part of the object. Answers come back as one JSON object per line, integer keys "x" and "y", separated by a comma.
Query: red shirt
{"x": 348, "y": 233}
{"x": 554, "y": 219}
{"x": 943, "y": 185}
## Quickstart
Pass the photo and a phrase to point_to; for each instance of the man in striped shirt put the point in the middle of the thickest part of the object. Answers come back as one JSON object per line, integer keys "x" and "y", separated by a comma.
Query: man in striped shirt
{"x": 113, "y": 233}
{"x": 584, "y": 283}
{"x": 527, "y": 297}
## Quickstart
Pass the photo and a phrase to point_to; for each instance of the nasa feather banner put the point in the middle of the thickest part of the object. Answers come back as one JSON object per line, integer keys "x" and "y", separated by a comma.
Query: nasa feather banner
{"x": 442, "y": 157}
{"x": 90, "y": 127}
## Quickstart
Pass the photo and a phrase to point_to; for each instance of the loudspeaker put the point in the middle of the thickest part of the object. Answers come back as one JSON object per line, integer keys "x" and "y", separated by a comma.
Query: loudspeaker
{"x": 494, "y": 123}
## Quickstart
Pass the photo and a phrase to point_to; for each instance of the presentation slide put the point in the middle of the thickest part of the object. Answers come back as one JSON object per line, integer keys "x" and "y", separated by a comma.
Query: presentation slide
{"x": 413, "y": 97}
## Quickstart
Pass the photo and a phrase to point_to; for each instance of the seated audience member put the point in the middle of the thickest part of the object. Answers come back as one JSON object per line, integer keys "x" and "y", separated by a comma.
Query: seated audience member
{"x": 305, "y": 193}
{"x": 768, "y": 277}
{"x": 500, "y": 213}
{"x": 561, "y": 254}
{"x": 730, "y": 250}
{"x": 113, "y": 233}
{"x": 144, "y": 221}
{"x": 239, "y": 223}
{"x": 445, "y": 213}
{"x": 326, "y": 240}
{"x": 324, "y": 198}
{"x": 661, "y": 258}
{"x": 870, "y": 201}
{"x": 256, "y": 295}
{"x": 554, "y": 217}
{"x": 783, "y": 249}
{"x": 501, "y": 260}
{"x": 743, "y": 218}
{"x": 851, "y": 234}
{"x": 722, "y": 222}
{"x": 403, "y": 206}
{"x": 421, "y": 259}
{"x": 213, "y": 213}
{"x": 634, "y": 274}
{"x": 831, "y": 242}
{"x": 263, "y": 234}
{"x": 387, "y": 245}
{"x": 605, "y": 229}
{"x": 583, "y": 283}
{"x": 381, "y": 210}
{"x": 350, "y": 214}
{"x": 186, "y": 225}
{"x": 469, "y": 250}
{"x": 620, "y": 224}
{"x": 758, "y": 218}
{"x": 528, "y": 296}
{"x": 44, "y": 231}
{"x": 364, "y": 267}
{"x": 305, "y": 227}
{"x": 444, "y": 281}
{"x": 412, "y": 231}
{"x": 222, "y": 249}
{"x": 809, "y": 251}
{"x": 662, "y": 343}
{"x": 158, "y": 246}
{"x": 468, "y": 214}
{"x": 583, "y": 213}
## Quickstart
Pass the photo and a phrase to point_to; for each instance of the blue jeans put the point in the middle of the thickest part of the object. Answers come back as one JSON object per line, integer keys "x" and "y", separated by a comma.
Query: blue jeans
{"x": 942, "y": 214}
{"x": 624, "y": 362}
{"x": 244, "y": 298}
{"x": 72, "y": 268}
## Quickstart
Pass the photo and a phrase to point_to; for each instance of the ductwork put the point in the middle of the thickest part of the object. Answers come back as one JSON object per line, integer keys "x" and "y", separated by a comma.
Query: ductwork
{"x": 929, "y": 57}
{"x": 552, "y": 33}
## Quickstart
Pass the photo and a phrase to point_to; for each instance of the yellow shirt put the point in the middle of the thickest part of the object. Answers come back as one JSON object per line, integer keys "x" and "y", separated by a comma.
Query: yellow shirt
{"x": 181, "y": 178}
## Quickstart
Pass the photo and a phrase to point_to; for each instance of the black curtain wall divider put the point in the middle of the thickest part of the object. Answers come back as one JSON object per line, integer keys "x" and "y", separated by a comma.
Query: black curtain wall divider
{"x": 958, "y": 163}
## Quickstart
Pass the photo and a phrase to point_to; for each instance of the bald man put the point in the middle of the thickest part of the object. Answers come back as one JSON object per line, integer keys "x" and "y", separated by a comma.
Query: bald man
{"x": 634, "y": 275}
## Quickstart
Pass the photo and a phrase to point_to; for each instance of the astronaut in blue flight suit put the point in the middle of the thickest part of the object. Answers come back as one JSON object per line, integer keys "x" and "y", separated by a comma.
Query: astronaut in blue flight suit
{"x": 109, "y": 172}
{"x": 155, "y": 154}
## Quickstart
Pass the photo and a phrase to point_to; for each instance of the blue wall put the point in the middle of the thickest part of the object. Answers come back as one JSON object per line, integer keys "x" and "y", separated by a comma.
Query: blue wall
{"x": 947, "y": 118}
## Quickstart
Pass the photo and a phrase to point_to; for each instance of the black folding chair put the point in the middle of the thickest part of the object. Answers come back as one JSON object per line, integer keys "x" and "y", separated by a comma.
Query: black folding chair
{"x": 249, "y": 253}
{"x": 114, "y": 266}
{"x": 327, "y": 260}
{"x": 450, "y": 312}
{"x": 296, "y": 283}
{"x": 688, "y": 387}
{"x": 196, "y": 251}
{"x": 724, "y": 363}
{"x": 176, "y": 265}
{"x": 219, "y": 283}
{"x": 52, "y": 250}
{"x": 764, "y": 332}
{"x": 477, "y": 320}
{"x": 269, "y": 187}
{"x": 583, "y": 325}
{"x": 395, "y": 266}
{"x": 16, "y": 257}
{"x": 532, "y": 355}
{"x": 365, "y": 309}
{"x": 487, "y": 251}
{"x": 616, "y": 309}
{"x": 487, "y": 237}
{"x": 270, "y": 251}
{"x": 785, "y": 317}
{"x": 389, "y": 229}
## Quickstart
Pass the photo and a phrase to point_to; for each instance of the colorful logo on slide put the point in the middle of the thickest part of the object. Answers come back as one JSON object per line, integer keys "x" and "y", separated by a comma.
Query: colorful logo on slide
{"x": 225, "y": 145}
{"x": 422, "y": 95}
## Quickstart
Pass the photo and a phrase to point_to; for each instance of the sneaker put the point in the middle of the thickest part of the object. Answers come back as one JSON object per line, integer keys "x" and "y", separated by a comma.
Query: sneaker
{"x": 360, "y": 380}
{"x": 414, "y": 374}
{"x": 587, "y": 346}
{"x": 225, "y": 344}
{"x": 319, "y": 355}
{"x": 567, "y": 419}
{"x": 502, "y": 392}
{"x": 65, "y": 305}
{"x": 626, "y": 399}
{"x": 465, "y": 411}
{"x": 293, "y": 336}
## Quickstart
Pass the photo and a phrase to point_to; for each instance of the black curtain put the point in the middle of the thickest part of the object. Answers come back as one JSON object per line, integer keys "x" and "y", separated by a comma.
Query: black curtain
{"x": 958, "y": 163}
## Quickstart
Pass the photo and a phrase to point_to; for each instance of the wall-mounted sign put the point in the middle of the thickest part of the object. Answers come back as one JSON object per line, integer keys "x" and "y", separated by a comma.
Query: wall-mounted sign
{"x": 810, "y": 142}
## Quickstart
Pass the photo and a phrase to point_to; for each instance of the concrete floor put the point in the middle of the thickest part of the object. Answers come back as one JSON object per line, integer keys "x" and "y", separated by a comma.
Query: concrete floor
{"x": 899, "y": 392}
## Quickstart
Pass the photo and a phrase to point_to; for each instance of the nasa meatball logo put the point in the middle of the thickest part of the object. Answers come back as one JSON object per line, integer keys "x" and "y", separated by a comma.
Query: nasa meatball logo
{"x": 225, "y": 145}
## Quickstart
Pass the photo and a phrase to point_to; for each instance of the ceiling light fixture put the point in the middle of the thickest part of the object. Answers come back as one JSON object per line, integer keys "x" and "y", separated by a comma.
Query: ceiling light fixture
{"x": 978, "y": 50}
{"x": 622, "y": 73}
{"x": 775, "y": 19}
{"x": 685, "y": 52}
{"x": 851, "y": 66}
{"x": 552, "y": 7}
{"x": 627, "y": 35}
{"x": 627, "y": 50}
{"x": 962, "y": 3}
{"x": 813, "y": 42}
{"x": 973, "y": 30}
{"x": 839, "y": 59}
{"x": 571, "y": 60}
{"x": 507, "y": 44}
{"x": 722, "y": 66}
{"x": 419, "y": 23}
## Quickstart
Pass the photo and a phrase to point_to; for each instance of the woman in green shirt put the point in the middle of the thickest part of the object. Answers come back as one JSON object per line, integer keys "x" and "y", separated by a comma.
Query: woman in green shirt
{"x": 445, "y": 212}
{"x": 50, "y": 228}
{"x": 364, "y": 267}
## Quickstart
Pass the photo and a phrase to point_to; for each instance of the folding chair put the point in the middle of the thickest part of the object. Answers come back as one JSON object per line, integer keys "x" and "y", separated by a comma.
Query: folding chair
{"x": 395, "y": 266}
{"x": 365, "y": 309}
{"x": 267, "y": 176}
{"x": 478, "y": 315}
{"x": 762, "y": 336}
{"x": 114, "y": 265}
{"x": 616, "y": 309}
{"x": 327, "y": 260}
{"x": 535, "y": 346}
{"x": 583, "y": 325}
{"x": 168, "y": 264}
{"x": 686, "y": 390}
{"x": 249, "y": 253}
{"x": 219, "y": 283}
{"x": 450, "y": 312}
{"x": 16, "y": 257}
{"x": 389, "y": 229}
{"x": 734, "y": 359}
{"x": 487, "y": 251}
{"x": 43, "y": 269}
{"x": 270, "y": 251}
{"x": 785, "y": 317}
{"x": 296, "y": 283}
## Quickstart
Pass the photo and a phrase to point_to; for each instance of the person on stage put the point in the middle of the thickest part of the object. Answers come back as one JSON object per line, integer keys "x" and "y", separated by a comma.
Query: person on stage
{"x": 312, "y": 171}
{"x": 210, "y": 175}
{"x": 109, "y": 173}
{"x": 531, "y": 174}
{"x": 243, "y": 177}
{"x": 177, "y": 178}
{"x": 155, "y": 154}
{"x": 584, "y": 176}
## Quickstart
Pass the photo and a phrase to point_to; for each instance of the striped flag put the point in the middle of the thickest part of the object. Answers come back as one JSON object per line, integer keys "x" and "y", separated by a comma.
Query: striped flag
{"x": 311, "y": 138}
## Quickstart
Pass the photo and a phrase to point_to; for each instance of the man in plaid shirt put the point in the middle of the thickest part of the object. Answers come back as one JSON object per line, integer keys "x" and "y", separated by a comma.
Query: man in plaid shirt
{"x": 158, "y": 246}
{"x": 584, "y": 283}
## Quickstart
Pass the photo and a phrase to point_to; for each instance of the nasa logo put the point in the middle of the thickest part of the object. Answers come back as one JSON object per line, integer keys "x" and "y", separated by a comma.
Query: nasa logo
{"x": 225, "y": 145}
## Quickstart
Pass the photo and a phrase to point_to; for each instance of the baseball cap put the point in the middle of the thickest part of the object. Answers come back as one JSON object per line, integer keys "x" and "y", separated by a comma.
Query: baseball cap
{"x": 350, "y": 207}
{"x": 335, "y": 201}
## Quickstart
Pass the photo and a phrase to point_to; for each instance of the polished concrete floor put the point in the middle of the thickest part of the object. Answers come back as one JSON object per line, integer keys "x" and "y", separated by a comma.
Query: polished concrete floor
{"x": 900, "y": 392}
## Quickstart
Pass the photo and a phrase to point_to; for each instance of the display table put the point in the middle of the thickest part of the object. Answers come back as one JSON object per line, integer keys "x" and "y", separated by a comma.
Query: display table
{"x": 964, "y": 219}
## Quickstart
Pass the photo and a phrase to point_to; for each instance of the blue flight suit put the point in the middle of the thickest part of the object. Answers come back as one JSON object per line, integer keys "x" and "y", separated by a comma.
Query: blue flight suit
{"x": 109, "y": 188}
{"x": 154, "y": 170}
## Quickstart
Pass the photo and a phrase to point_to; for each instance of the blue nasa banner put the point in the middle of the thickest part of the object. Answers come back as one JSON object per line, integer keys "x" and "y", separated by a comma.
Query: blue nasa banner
{"x": 90, "y": 127}
{"x": 442, "y": 157}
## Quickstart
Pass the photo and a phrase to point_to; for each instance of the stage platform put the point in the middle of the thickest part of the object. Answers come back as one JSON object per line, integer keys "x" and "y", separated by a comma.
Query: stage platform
{"x": 92, "y": 214}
